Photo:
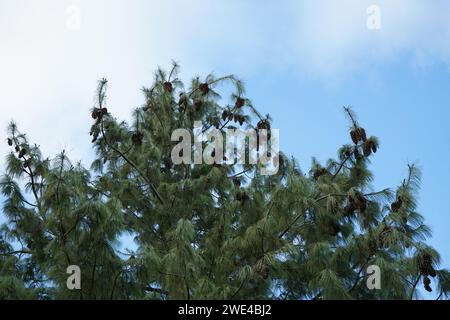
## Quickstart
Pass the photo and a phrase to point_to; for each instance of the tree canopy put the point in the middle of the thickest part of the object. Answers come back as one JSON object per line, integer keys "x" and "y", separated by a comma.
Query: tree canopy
{"x": 206, "y": 231}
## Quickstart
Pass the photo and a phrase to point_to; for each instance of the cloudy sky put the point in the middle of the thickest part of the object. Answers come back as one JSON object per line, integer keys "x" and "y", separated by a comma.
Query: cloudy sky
{"x": 301, "y": 61}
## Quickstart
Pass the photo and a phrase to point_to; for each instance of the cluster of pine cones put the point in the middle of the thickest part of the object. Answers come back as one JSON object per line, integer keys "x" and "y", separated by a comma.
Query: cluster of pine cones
{"x": 359, "y": 135}
{"x": 98, "y": 113}
{"x": 426, "y": 269}
{"x": 22, "y": 151}
{"x": 357, "y": 202}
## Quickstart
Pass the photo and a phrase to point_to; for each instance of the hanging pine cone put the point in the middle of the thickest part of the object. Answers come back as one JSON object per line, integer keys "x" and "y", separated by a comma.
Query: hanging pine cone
{"x": 94, "y": 114}
{"x": 426, "y": 284}
{"x": 98, "y": 113}
{"x": 26, "y": 164}
{"x": 10, "y": 142}
{"x": 22, "y": 153}
{"x": 137, "y": 138}
{"x": 354, "y": 136}
{"x": 358, "y": 134}
{"x": 426, "y": 265}
{"x": 362, "y": 134}
{"x": 239, "y": 103}
{"x": 319, "y": 172}
{"x": 225, "y": 115}
{"x": 168, "y": 87}
{"x": 397, "y": 204}
{"x": 263, "y": 124}
{"x": 204, "y": 88}
{"x": 237, "y": 182}
{"x": 241, "y": 120}
{"x": 432, "y": 272}
{"x": 367, "y": 148}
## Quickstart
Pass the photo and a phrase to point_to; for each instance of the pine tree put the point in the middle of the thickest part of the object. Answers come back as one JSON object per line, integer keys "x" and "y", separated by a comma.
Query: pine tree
{"x": 206, "y": 231}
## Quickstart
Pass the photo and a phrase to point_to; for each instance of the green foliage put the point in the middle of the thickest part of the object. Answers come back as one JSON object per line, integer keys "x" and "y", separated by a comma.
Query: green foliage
{"x": 205, "y": 231}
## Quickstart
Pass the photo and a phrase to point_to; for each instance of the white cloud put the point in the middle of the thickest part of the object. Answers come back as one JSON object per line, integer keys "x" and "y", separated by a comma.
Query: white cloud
{"x": 334, "y": 41}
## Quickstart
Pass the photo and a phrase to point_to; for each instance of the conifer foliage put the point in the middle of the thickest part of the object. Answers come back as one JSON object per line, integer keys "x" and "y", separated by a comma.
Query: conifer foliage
{"x": 206, "y": 231}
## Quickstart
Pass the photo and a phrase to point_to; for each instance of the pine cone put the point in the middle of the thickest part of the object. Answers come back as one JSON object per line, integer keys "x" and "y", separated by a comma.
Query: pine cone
{"x": 10, "y": 142}
{"x": 225, "y": 115}
{"x": 396, "y": 205}
{"x": 367, "y": 148}
{"x": 204, "y": 88}
{"x": 239, "y": 103}
{"x": 263, "y": 124}
{"x": 168, "y": 87}
{"x": 22, "y": 153}
{"x": 362, "y": 134}
{"x": 426, "y": 265}
{"x": 137, "y": 138}
{"x": 354, "y": 136}
{"x": 432, "y": 272}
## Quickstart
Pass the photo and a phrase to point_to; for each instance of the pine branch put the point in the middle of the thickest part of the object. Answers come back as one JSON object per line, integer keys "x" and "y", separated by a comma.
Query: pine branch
{"x": 131, "y": 163}
{"x": 15, "y": 252}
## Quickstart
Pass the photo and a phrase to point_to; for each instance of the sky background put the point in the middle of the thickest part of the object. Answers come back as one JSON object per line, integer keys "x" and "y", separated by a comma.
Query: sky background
{"x": 301, "y": 61}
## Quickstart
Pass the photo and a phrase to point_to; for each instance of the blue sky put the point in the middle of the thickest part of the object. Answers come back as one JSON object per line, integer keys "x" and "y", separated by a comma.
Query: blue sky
{"x": 300, "y": 60}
